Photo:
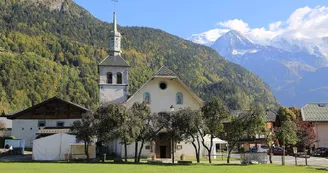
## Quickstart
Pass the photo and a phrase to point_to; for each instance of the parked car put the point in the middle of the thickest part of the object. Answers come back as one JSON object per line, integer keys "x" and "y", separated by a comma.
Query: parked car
{"x": 263, "y": 149}
{"x": 321, "y": 152}
{"x": 279, "y": 151}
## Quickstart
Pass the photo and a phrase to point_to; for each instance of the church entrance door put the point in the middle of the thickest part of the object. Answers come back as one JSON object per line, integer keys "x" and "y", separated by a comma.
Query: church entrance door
{"x": 162, "y": 152}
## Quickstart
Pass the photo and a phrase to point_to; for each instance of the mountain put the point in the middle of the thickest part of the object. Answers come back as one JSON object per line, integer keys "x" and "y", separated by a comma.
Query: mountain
{"x": 206, "y": 38}
{"x": 312, "y": 86}
{"x": 233, "y": 45}
{"x": 282, "y": 64}
{"x": 52, "y": 48}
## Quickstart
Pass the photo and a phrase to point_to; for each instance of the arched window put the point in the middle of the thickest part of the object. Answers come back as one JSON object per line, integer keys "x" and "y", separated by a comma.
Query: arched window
{"x": 119, "y": 78}
{"x": 147, "y": 97}
{"x": 109, "y": 77}
{"x": 179, "y": 98}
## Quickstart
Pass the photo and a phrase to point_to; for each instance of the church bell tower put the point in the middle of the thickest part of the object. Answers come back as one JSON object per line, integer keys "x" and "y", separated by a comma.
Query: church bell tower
{"x": 113, "y": 71}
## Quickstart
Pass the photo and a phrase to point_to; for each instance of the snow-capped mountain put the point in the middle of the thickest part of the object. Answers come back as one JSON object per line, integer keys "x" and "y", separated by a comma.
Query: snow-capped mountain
{"x": 283, "y": 63}
{"x": 207, "y": 38}
{"x": 291, "y": 44}
{"x": 234, "y": 43}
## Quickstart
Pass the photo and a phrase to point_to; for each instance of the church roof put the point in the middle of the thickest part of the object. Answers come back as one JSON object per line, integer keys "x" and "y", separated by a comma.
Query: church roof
{"x": 53, "y": 99}
{"x": 164, "y": 71}
{"x": 116, "y": 61}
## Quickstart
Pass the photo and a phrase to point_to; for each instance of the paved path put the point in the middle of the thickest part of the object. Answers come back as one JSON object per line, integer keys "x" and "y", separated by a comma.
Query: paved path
{"x": 312, "y": 161}
{"x": 290, "y": 160}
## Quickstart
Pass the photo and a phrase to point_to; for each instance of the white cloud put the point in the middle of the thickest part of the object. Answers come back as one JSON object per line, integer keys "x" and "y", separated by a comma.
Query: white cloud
{"x": 306, "y": 22}
{"x": 235, "y": 24}
{"x": 275, "y": 25}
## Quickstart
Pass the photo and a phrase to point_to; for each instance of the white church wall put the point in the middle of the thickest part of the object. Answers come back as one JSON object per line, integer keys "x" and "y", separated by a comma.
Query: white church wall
{"x": 113, "y": 93}
{"x": 27, "y": 129}
{"x": 161, "y": 100}
{"x": 145, "y": 153}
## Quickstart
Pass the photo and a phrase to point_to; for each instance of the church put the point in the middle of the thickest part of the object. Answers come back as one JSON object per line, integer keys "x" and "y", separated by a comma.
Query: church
{"x": 163, "y": 92}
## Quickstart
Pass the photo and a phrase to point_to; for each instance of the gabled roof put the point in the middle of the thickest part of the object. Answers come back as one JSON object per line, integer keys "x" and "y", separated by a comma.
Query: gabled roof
{"x": 116, "y": 61}
{"x": 271, "y": 115}
{"x": 315, "y": 112}
{"x": 164, "y": 72}
{"x": 19, "y": 113}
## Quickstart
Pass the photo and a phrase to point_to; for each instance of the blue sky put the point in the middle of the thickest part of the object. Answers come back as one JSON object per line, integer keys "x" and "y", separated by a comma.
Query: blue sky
{"x": 187, "y": 17}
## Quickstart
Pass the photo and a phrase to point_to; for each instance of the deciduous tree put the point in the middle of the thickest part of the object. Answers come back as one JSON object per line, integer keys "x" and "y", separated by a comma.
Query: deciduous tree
{"x": 249, "y": 124}
{"x": 188, "y": 122}
{"x": 214, "y": 113}
{"x": 85, "y": 131}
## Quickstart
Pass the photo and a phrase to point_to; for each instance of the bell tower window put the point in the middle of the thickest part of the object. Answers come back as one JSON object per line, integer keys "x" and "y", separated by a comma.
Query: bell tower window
{"x": 109, "y": 78}
{"x": 119, "y": 78}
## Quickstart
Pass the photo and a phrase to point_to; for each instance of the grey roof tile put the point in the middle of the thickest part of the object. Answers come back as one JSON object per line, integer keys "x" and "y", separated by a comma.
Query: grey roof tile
{"x": 315, "y": 112}
{"x": 164, "y": 71}
{"x": 117, "y": 61}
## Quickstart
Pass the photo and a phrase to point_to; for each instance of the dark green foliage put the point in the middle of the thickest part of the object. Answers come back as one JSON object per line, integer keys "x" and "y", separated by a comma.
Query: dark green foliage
{"x": 55, "y": 52}
{"x": 85, "y": 131}
{"x": 187, "y": 122}
{"x": 245, "y": 126}
{"x": 214, "y": 115}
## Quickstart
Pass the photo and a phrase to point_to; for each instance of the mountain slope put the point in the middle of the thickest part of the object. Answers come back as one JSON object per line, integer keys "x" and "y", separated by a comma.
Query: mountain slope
{"x": 47, "y": 51}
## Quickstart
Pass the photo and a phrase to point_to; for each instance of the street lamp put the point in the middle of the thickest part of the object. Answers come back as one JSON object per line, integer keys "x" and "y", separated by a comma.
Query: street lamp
{"x": 172, "y": 137}
{"x": 172, "y": 108}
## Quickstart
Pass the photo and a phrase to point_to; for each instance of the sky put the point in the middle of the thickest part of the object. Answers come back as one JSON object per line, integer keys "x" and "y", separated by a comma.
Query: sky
{"x": 187, "y": 17}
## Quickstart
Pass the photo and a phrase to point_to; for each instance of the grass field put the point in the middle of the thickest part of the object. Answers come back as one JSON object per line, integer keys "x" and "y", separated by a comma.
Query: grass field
{"x": 145, "y": 168}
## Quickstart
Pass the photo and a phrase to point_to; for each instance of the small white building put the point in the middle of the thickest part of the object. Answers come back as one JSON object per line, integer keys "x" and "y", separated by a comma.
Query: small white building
{"x": 52, "y": 116}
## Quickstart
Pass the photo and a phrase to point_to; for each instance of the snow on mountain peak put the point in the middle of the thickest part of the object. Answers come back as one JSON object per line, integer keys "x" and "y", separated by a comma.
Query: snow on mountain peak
{"x": 208, "y": 37}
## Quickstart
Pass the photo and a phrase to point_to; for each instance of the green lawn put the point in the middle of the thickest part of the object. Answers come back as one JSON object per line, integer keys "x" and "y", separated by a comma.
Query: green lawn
{"x": 145, "y": 168}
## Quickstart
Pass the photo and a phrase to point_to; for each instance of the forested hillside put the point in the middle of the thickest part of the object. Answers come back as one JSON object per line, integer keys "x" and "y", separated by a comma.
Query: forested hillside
{"x": 49, "y": 49}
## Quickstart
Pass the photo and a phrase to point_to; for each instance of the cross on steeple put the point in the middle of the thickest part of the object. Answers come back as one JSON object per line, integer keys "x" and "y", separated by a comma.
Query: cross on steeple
{"x": 115, "y": 1}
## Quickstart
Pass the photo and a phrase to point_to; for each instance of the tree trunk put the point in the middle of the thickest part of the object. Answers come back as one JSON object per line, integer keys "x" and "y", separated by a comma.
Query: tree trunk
{"x": 198, "y": 153}
{"x": 172, "y": 145}
{"x": 140, "y": 150}
{"x": 125, "y": 152}
{"x": 229, "y": 153}
{"x": 86, "y": 146}
{"x": 209, "y": 156}
{"x": 210, "y": 150}
{"x": 270, "y": 154}
{"x": 136, "y": 152}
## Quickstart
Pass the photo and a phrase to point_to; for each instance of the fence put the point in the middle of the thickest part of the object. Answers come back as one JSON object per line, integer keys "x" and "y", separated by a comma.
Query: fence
{"x": 248, "y": 158}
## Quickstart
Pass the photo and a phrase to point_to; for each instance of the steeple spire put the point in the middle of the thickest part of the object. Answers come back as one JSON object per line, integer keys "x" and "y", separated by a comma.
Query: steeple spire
{"x": 114, "y": 22}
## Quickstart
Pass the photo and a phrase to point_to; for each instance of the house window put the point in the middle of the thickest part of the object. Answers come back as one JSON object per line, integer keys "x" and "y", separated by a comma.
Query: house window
{"x": 119, "y": 78}
{"x": 147, "y": 97}
{"x": 60, "y": 124}
{"x": 179, "y": 98}
{"x": 41, "y": 123}
{"x": 109, "y": 78}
